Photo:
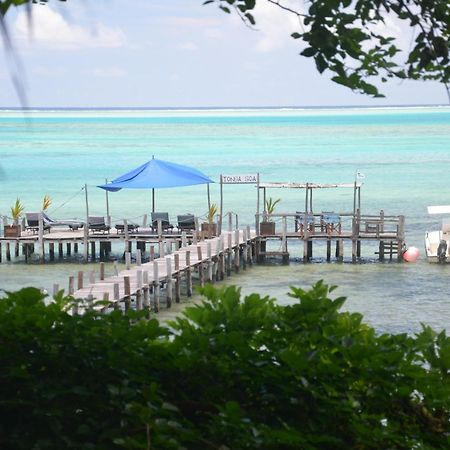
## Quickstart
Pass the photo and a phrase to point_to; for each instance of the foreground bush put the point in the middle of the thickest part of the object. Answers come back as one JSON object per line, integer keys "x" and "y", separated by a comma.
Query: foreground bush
{"x": 231, "y": 373}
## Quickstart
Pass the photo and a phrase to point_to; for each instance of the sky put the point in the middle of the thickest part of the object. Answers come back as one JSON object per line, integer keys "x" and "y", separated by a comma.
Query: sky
{"x": 175, "y": 53}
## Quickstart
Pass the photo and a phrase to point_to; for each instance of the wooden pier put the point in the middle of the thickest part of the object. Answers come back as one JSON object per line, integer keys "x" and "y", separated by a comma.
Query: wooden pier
{"x": 165, "y": 264}
{"x": 208, "y": 261}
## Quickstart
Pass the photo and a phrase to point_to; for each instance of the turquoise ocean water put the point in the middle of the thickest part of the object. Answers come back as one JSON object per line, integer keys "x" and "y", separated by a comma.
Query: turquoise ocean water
{"x": 404, "y": 154}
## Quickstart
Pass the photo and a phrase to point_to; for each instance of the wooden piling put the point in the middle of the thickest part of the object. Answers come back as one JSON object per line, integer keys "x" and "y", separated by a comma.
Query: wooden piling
{"x": 188, "y": 274}
{"x": 201, "y": 275}
{"x": 176, "y": 258}
{"x": 169, "y": 284}
{"x": 51, "y": 251}
{"x": 156, "y": 286}
{"x": 127, "y": 292}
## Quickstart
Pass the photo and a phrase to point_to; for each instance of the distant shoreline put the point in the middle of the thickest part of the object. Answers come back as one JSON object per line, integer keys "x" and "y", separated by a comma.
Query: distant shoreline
{"x": 216, "y": 108}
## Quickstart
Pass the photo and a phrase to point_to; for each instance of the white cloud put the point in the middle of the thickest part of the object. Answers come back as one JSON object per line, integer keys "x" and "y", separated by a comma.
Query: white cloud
{"x": 275, "y": 26}
{"x": 189, "y": 46}
{"x": 51, "y": 30}
{"x": 192, "y": 22}
{"x": 107, "y": 72}
{"x": 214, "y": 33}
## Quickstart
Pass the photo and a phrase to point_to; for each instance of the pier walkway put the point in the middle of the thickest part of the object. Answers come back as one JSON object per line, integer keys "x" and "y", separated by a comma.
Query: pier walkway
{"x": 210, "y": 260}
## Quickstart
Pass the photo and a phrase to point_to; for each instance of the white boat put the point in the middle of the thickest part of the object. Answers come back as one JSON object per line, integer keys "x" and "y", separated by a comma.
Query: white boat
{"x": 437, "y": 243}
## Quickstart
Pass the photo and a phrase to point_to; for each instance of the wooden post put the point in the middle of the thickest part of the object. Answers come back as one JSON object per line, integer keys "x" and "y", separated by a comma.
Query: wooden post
{"x": 221, "y": 258}
{"x": 169, "y": 287}
{"x": 126, "y": 235}
{"x": 236, "y": 251}
{"x": 249, "y": 247}
{"x": 8, "y": 251}
{"x": 183, "y": 239}
{"x": 68, "y": 249}
{"x": 80, "y": 280}
{"x": 85, "y": 241}
{"x": 328, "y": 250}
{"x": 157, "y": 287}
{"x": 210, "y": 262}
{"x": 354, "y": 250}
{"x": 116, "y": 295}
{"x": 71, "y": 285}
{"x": 381, "y": 251}
{"x": 229, "y": 250}
{"x": 306, "y": 233}
{"x": 51, "y": 251}
{"x": 188, "y": 274}
{"x": 176, "y": 257}
{"x": 41, "y": 239}
{"x": 217, "y": 265}
{"x": 102, "y": 271}
{"x": 116, "y": 269}
{"x": 340, "y": 250}
{"x": 152, "y": 252}
{"x": 138, "y": 257}
{"x": 146, "y": 290}
{"x": 139, "y": 290}
{"x": 284, "y": 244}
{"x": 161, "y": 249}
{"x": 60, "y": 250}
{"x": 75, "y": 247}
{"x": 93, "y": 253}
{"x": 201, "y": 275}
{"x": 401, "y": 238}
{"x": 128, "y": 260}
{"x": 127, "y": 292}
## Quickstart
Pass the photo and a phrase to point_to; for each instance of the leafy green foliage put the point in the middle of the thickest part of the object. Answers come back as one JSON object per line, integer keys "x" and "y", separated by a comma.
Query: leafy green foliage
{"x": 344, "y": 37}
{"x": 231, "y": 373}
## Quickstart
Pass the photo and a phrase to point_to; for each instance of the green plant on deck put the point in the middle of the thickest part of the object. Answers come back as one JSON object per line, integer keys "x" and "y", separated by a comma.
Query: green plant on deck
{"x": 232, "y": 372}
{"x": 270, "y": 207}
{"x": 212, "y": 211}
{"x": 17, "y": 211}
{"x": 46, "y": 202}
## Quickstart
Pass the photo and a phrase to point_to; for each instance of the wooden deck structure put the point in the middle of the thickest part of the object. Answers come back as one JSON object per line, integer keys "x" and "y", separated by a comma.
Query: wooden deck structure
{"x": 173, "y": 261}
{"x": 210, "y": 260}
{"x": 387, "y": 231}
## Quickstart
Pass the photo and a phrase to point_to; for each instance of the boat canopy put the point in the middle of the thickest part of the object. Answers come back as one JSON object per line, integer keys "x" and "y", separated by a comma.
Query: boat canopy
{"x": 439, "y": 209}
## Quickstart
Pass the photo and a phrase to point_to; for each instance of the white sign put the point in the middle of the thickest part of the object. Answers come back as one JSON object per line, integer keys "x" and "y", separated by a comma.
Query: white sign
{"x": 240, "y": 179}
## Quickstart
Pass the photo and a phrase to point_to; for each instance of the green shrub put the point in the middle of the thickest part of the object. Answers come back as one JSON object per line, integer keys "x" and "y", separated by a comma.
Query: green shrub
{"x": 232, "y": 373}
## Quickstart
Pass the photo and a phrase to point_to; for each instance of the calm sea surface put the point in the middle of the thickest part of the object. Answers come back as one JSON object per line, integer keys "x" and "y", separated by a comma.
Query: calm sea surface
{"x": 404, "y": 154}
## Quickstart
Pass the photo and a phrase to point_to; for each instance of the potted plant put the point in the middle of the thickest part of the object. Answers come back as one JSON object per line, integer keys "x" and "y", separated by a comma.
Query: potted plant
{"x": 209, "y": 228}
{"x": 15, "y": 229}
{"x": 267, "y": 226}
{"x": 46, "y": 202}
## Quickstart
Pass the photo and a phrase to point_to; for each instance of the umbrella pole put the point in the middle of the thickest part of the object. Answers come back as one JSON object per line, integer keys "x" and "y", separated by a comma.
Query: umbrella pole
{"x": 153, "y": 200}
{"x": 108, "y": 217}
{"x": 209, "y": 196}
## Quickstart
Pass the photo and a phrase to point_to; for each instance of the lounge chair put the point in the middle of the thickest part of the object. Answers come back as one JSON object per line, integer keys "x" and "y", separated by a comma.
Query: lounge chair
{"x": 304, "y": 221}
{"x": 186, "y": 222}
{"x": 132, "y": 228}
{"x": 33, "y": 223}
{"x": 164, "y": 218}
{"x": 330, "y": 221}
{"x": 97, "y": 224}
{"x": 72, "y": 224}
